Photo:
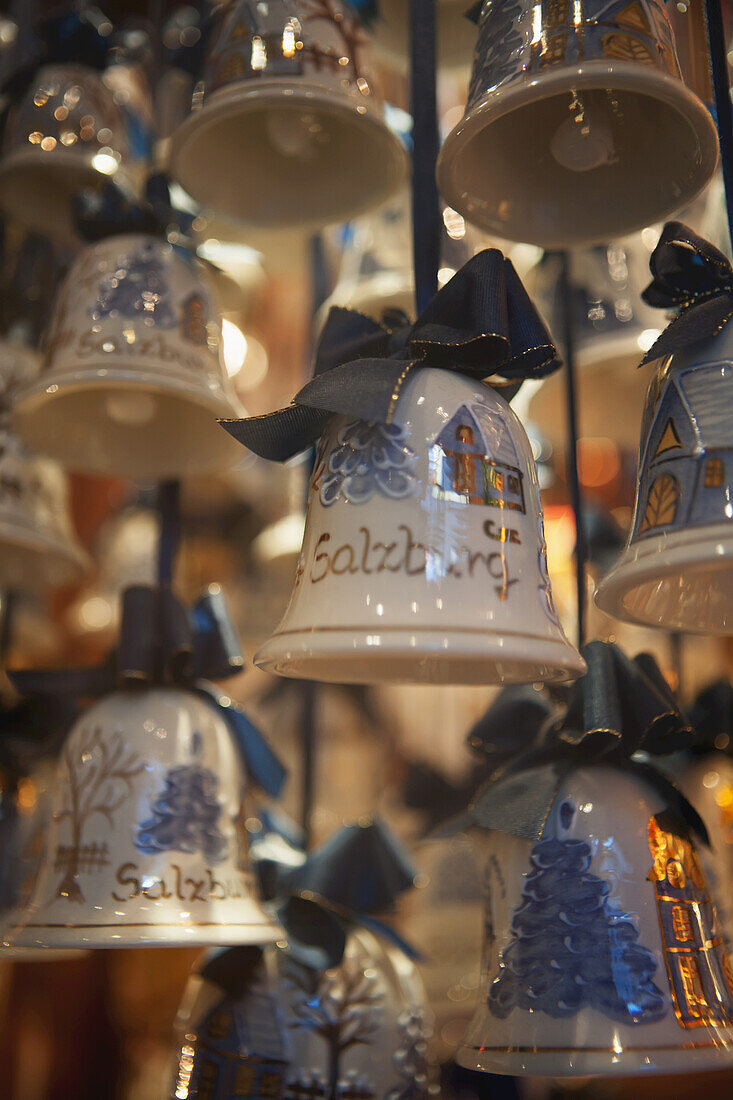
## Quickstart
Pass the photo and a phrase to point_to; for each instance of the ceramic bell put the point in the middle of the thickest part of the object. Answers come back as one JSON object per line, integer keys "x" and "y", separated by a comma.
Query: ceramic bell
{"x": 66, "y": 134}
{"x": 455, "y": 36}
{"x": 133, "y": 379}
{"x": 612, "y": 329}
{"x": 287, "y": 126}
{"x": 145, "y": 843}
{"x": 675, "y": 570}
{"x": 603, "y": 952}
{"x": 355, "y": 1030}
{"x": 579, "y": 127}
{"x": 424, "y": 551}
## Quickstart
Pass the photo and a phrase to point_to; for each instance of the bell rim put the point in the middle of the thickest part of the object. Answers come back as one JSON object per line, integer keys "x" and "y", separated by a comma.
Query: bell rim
{"x": 238, "y": 98}
{"x": 172, "y": 934}
{"x": 56, "y": 163}
{"x": 638, "y": 565}
{"x": 581, "y": 1062}
{"x": 218, "y": 454}
{"x": 628, "y": 76}
{"x": 71, "y": 562}
{"x": 561, "y": 664}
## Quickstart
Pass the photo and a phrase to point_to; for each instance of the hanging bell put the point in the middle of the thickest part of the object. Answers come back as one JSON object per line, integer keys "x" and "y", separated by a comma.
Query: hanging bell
{"x": 66, "y": 134}
{"x": 603, "y": 952}
{"x": 354, "y": 1030}
{"x": 675, "y": 571}
{"x": 612, "y": 330}
{"x": 424, "y": 549}
{"x": 287, "y": 128}
{"x": 133, "y": 378}
{"x": 145, "y": 847}
{"x": 579, "y": 127}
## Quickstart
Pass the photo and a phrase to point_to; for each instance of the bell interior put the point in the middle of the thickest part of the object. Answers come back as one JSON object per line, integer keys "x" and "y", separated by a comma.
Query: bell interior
{"x": 657, "y": 167}
{"x": 697, "y": 598}
{"x": 39, "y": 194}
{"x": 181, "y": 436}
{"x": 344, "y": 163}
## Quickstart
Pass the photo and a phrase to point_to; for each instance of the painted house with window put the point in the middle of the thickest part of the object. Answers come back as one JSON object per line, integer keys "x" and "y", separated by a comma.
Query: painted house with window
{"x": 686, "y": 477}
{"x": 697, "y": 966}
{"x": 467, "y": 469}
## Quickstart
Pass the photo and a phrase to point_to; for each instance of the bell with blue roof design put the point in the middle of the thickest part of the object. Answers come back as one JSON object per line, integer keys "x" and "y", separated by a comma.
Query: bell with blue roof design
{"x": 424, "y": 554}
{"x": 676, "y": 571}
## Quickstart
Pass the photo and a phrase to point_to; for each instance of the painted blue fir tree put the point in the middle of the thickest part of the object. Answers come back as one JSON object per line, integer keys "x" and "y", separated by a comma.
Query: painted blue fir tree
{"x": 571, "y": 948}
{"x": 185, "y": 816}
{"x": 137, "y": 288}
{"x": 368, "y": 459}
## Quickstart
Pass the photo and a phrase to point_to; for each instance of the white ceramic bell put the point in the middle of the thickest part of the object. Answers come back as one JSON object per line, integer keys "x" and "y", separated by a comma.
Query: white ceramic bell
{"x": 612, "y": 330}
{"x": 455, "y": 35}
{"x": 66, "y": 134}
{"x": 603, "y": 951}
{"x": 145, "y": 844}
{"x": 676, "y": 569}
{"x": 38, "y": 547}
{"x": 579, "y": 127}
{"x": 424, "y": 555}
{"x": 287, "y": 128}
{"x": 133, "y": 379}
{"x": 359, "y": 1029}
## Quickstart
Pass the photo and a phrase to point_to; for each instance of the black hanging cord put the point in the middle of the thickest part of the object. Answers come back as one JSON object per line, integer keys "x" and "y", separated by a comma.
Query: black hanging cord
{"x": 423, "y": 103}
{"x": 721, "y": 88}
{"x": 7, "y": 615}
{"x": 573, "y": 477}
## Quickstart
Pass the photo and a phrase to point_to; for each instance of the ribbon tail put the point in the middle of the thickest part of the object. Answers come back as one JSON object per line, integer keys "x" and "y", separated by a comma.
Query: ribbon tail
{"x": 263, "y": 766}
{"x": 233, "y": 969}
{"x": 69, "y": 682}
{"x": 519, "y": 801}
{"x": 673, "y": 797}
{"x": 380, "y": 928}
{"x": 217, "y": 652}
{"x": 280, "y": 435}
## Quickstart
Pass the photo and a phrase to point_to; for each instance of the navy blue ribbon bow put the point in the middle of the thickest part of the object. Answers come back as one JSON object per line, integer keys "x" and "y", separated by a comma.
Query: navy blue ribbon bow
{"x": 619, "y": 709}
{"x": 694, "y": 277}
{"x": 109, "y": 211}
{"x": 161, "y": 643}
{"x": 481, "y": 323}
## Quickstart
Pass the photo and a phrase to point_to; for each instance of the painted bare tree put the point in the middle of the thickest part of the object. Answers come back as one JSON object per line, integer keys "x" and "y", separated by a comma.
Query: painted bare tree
{"x": 344, "y": 1010}
{"x": 99, "y": 777}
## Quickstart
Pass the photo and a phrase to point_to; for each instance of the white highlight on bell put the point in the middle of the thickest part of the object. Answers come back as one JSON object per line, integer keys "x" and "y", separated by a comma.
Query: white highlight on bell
{"x": 289, "y": 39}
{"x": 258, "y": 58}
{"x": 578, "y": 12}
{"x": 234, "y": 344}
{"x": 105, "y": 162}
{"x": 646, "y": 338}
{"x": 536, "y": 24}
{"x": 133, "y": 410}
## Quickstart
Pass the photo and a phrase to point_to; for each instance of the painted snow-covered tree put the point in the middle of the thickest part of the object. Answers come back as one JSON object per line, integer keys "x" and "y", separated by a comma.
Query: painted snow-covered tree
{"x": 137, "y": 289}
{"x": 367, "y": 459}
{"x": 411, "y": 1058}
{"x": 185, "y": 816}
{"x": 571, "y": 948}
{"x": 342, "y": 1007}
{"x": 98, "y": 775}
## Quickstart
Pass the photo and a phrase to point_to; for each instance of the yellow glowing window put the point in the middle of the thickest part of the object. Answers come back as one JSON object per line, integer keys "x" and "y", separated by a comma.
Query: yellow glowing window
{"x": 497, "y": 480}
{"x": 245, "y": 1082}
{"x": 714, "y": 473}
{"x": 682, "y": 924}
{"x": 692, "y": 984}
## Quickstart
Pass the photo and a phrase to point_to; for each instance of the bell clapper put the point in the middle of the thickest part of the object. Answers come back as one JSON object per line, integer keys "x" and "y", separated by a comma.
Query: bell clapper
{"x": 133, "y": 410}
{"x": 292, "y": 134}
{"x": 584, "y": 140}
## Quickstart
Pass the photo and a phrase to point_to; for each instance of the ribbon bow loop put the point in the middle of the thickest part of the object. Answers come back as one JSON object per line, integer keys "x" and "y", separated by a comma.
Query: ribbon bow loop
{"x": 618, "y": 709}
{"x": 691, "y": 275}
{"x": 482, "y": 323}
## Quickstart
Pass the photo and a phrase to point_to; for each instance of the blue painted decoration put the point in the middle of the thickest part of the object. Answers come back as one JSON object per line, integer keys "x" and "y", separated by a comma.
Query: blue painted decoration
{"x": 571, "y": 948}
{"x": 368, "y": 459}
{"x": 465, "y": 468}
{"x": 137, "y": 289}
{"x": 687, "y": 463}
{"x": 185, "y": 816}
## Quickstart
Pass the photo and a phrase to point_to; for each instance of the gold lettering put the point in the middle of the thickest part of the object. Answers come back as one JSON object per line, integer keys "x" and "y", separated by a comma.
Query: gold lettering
{"x": 325, "y": 537}
{"x": 349, "y": 567}
{"x": 125, "y": 879}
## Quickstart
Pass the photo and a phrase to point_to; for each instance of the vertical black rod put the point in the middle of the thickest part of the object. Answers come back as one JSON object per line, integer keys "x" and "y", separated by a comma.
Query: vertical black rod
{"x": 423, "y": 104}
{"x": 308, "y": 744}
{"x": 7, "y": 610}
{"x": 576, "y": 499}
{"x": 721, "y": 88}
{"x": 169, "y": 508}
